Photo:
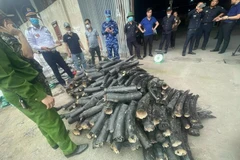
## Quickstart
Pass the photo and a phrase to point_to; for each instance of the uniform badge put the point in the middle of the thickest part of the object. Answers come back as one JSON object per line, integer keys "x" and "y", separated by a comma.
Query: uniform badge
{"x": 37, "y": 35}
{"x": 194, "y": 16}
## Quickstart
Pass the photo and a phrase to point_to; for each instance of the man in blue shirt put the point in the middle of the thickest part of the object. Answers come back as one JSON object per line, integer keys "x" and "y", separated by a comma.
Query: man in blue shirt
{"x": 211, "y": 13}
{"x": 227, "y": 25}
{"x": 167, "y": 25}
{"x": 110, "y": 31}
{"x": 147, "y": 23}
{"x": 73, "y": 47}
{"x": 195, "y": 17}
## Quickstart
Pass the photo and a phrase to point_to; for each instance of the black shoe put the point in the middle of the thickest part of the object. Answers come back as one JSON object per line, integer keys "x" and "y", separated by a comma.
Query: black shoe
{"x": 183, "y": 54}
{"x": 55, "y": 147}
{"x": 203, "y": 48}
{"x": 79, "y": 150}
{"x": 150, "y": 55}
{"x": 195, "y": 48}
{"x": 193, "y": 53}
{"x": 221, "y": 52}
{"x": 140, "y": 58}
{"x": 165, "y": 52}
{"x": 214, "y": 50}
{"x": 144, "y": 56}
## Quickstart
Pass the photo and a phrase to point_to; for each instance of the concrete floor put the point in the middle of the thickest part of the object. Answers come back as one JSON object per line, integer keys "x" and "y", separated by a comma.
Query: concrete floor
{"x": 206, "y": 74}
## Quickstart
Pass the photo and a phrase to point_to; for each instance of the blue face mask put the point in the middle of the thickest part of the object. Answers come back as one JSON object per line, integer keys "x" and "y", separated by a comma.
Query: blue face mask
{"x": 34, "y": 21}
{"x": 130, "y": 19}
{"x": 108, "y": 19}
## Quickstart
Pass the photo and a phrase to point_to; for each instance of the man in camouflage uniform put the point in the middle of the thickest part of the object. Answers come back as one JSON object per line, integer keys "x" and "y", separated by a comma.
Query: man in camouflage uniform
{"x": 110, "y": 31}
{"x": 24, "y": 86}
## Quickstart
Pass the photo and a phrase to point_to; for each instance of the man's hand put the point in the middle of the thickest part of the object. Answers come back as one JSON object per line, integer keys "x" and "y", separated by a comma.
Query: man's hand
{"x": 45, "y": 48}
{"x": 49, "y": 102}
{"x": 69, "y": 55}
{"x": 111, "y": 30}
{"x": 59, "y": 43}
{"x": 101, "y": 48}
{"x": 107, "y": 30}
{"x": 143, "y": 31}
{"x": 215, "y": 19}
{"x": 10, "y": 29}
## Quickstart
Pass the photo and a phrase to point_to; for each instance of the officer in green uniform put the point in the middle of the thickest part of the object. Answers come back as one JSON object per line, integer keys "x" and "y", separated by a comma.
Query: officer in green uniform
{"x": 24, "y": 86}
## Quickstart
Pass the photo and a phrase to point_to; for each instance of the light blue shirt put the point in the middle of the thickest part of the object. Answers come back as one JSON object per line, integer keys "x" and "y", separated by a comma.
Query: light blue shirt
{"x": 39, "y": 37}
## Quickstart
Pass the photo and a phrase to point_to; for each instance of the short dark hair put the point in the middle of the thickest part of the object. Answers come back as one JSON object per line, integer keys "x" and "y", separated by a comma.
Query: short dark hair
{"x": 87, "y": 20}
{"x": 149, "y": 9}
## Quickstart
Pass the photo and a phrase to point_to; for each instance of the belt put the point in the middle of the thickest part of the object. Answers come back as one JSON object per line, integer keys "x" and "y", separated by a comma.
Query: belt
{"x": 53, "y": 50}
{"x": 229, "y": 22}
{"x": 191, "y": 29}
{"x": 206, "y": 23}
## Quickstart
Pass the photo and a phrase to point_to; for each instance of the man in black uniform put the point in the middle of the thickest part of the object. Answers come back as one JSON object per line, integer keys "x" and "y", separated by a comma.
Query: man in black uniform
{"x": 211, "y": 13}
{"x": 130, "y": 29}
{"x": 227, "y": 25}
{"x": 167, "y": 24}
{"x": 195, "y": 17}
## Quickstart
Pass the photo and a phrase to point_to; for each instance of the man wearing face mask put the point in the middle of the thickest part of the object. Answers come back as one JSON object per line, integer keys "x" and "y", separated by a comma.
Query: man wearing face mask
{"x": 93, "y": 41}
{"x": 195, "y": 17}
{"x": 211, "y": 13}
{"x": 73, "y": 47}
{"x": 130, "y": 29}
{"x": 41, "y": 40}
{"x": 167, "y": 24}
{"x": 110, "y": 31}
{"x": 24, "y": 86}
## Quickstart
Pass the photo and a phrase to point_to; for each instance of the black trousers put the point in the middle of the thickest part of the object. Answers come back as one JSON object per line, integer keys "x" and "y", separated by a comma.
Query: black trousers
{"x": 53, "y": 59}
{"x": 130, "y": 44}
{"x": 173, "y": 38}
{"x": 93, "y": 51}
{"x": 224, "y": 35}
{"x": 165, "y": 37}
{"x": 148, "y": 40}
{"x": 191, "y": 37}
{"x": 204, "y": 30}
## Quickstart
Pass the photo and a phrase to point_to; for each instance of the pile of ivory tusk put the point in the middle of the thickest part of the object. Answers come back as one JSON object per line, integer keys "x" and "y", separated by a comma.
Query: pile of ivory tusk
{"x": 122, "y": 105}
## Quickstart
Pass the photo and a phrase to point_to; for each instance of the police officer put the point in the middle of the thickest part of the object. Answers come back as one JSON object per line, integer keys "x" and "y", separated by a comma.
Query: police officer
{"x": 41, "y": 40}
{"x": 167, "y": 24}
{"x": 23, "y": 86}
{"x": 110, "y": 31}
{"x": 195, "y": 17}
{"x": 211, "y": 13}
{"x": 130, "y": 29}
{"x": 227, "y": 25}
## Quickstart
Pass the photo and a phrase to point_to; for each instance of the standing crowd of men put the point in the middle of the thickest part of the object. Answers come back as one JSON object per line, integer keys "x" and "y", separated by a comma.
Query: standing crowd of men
{"x": 24, "y": 85}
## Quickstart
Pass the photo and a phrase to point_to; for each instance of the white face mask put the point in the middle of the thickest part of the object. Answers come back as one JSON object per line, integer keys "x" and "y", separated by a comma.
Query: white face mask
{"x": 69, "y": 32}
{"x": 168, "y": 15}
{"x": 88, "y": 26}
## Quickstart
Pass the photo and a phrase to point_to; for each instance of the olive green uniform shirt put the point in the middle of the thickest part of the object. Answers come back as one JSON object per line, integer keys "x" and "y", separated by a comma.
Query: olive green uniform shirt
{"x": 17, "y": 76}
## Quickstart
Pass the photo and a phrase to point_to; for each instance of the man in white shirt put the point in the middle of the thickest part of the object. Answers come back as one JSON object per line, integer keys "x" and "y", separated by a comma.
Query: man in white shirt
{"x": 41, "y": 40}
